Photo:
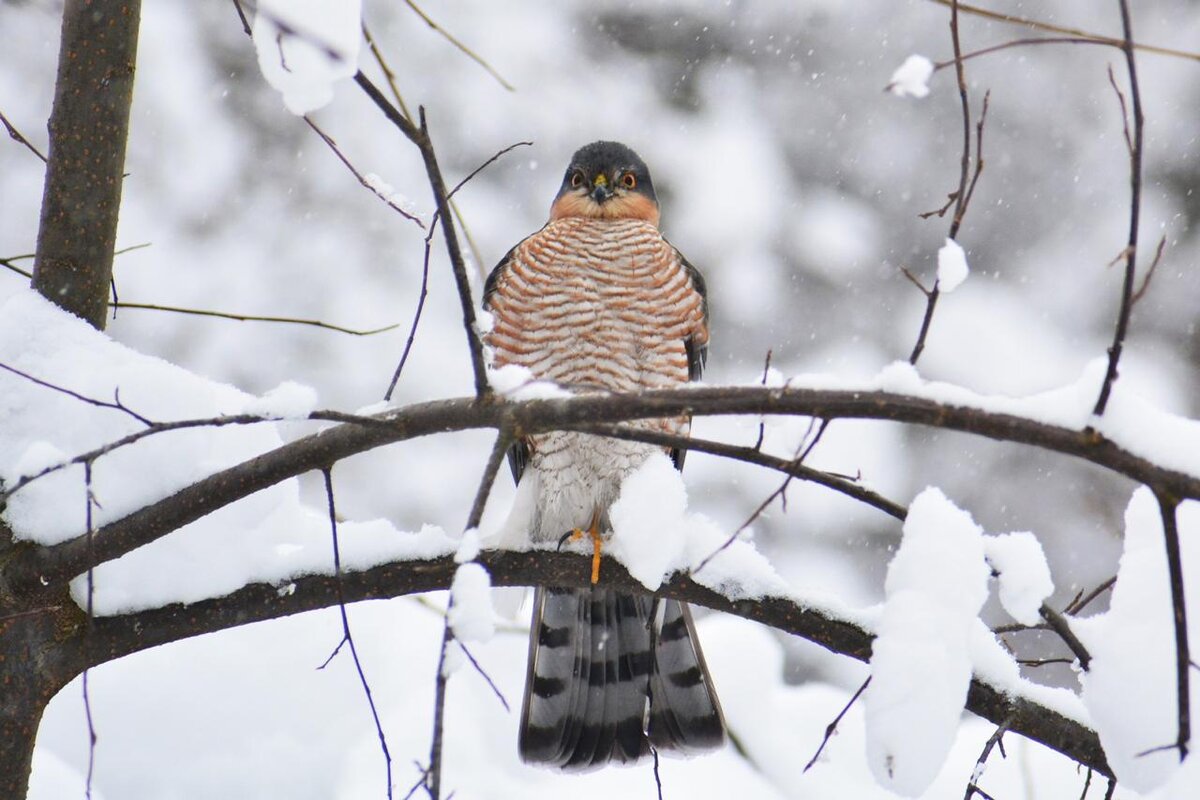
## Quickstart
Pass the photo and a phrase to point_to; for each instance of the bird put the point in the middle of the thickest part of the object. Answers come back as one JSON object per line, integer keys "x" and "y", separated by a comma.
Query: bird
{"x": 599, "y": 300}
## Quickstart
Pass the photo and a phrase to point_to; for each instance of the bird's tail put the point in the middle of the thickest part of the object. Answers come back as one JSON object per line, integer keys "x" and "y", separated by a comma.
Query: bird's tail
{"x": 610, "y": 676}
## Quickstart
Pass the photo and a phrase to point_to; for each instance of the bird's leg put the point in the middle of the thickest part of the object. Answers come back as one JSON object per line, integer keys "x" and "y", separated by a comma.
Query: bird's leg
{"x": 593, "y": 531}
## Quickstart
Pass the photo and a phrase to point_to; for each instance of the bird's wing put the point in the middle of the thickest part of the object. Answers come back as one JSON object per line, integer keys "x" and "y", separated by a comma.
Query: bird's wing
{"x": 518, "y": 454}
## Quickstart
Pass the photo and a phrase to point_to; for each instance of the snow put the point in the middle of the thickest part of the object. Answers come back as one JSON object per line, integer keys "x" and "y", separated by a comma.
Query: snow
{"x": 952, "y": 266}
{"x": 37, "y": 457}
{"x": 270, "y": 536}
{"x": 470, "y": 615}
{"x": 305, "y": 46}
{"x": 920, "y": 661}
{"x": 655, "y": 536}
{"x": 1024, "y": 575}
{"x": 1130, "y": 689}
{"x": 468, "y": 546}
{"x": 911, "y": 79}
{"x": 288, "y": 400}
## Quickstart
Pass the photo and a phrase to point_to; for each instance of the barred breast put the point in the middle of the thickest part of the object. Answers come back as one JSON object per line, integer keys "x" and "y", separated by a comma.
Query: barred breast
{"x": 597, "y": 303}
{"x": 594, "y": 304}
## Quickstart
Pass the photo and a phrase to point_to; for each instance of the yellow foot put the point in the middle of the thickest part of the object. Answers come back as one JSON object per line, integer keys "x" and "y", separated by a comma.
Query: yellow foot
{"x": 594, "y": 532}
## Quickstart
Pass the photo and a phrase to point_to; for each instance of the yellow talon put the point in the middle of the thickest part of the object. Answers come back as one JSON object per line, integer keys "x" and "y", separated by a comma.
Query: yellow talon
{"x": 594, "y": 532}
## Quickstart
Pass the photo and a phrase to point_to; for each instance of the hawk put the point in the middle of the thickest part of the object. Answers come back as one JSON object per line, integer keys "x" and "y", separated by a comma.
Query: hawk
{"x": 598, "y": 300}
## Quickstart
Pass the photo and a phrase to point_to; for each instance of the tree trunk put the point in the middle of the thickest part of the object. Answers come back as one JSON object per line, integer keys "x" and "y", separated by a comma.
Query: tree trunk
{"x": 32, "y": 670}
{"x": 89, "y": 126}
{"x": 41, "y": 633}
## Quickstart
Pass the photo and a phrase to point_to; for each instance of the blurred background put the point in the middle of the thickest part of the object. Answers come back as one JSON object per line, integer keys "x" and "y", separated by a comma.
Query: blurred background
{"x": 785, "y": 174}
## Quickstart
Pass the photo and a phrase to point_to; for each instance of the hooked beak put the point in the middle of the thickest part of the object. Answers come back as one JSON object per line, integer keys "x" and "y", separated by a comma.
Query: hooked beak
{"x": 600, "y": 189}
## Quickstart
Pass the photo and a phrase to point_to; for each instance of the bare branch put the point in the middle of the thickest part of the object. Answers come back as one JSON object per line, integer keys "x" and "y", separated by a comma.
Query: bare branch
{"x": 1169, "y": 505}
{"x": 1052, "y": 28}
{"x": 831, "y": 728}
{"x": 996, "y": 739}
{"x": 255, "y": 318}
{"x": 115, "y": 405}
{"x": 347, "y": 637}
{"x": 1060, "y": 626}
{"x": 17, "y": 137}
{"x": 1158, "y": 251}
{"x": 468, "y": 52}
{"x": 1135, "y": 208}
{"x": 337, "y": 151}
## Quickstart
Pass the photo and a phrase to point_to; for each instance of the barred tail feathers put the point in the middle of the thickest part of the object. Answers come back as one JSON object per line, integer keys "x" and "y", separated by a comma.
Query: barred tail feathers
{"x": 604, "y": 683}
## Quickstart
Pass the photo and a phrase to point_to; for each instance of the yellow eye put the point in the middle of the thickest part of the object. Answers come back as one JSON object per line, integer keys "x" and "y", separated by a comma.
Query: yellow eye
{"x": 576, "y": 180}
{"x": 629, "y": 180}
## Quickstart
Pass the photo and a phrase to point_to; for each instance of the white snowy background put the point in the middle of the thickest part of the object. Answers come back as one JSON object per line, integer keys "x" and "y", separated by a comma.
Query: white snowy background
{"x": 794, "y": 182}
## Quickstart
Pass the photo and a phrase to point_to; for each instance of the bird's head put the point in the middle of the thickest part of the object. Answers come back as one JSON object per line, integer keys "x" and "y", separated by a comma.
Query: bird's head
{"x": 606, "y": 180}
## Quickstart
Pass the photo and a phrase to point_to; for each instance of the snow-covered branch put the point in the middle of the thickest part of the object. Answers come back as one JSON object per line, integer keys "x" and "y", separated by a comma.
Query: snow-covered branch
{"x": 1166, "y": 461}
{"x": 117, "y": 636}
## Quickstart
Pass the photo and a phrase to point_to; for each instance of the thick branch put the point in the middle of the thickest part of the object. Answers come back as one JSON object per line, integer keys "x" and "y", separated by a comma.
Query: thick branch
{"x": 120, "y": 636}
{"x": 89, "y": 125}
{"x": 39, "y": 566}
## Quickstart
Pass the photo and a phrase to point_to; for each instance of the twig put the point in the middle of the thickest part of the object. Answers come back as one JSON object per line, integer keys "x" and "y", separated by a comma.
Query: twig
{"x": 1135, "y": 207}
{"x": 1086, "y": 783}
{"x": 960, "y": 195}
{"x": 801, "y": 454}
{"x": 347, "y": 638}
{"x": 831, "y": 728}
{"x": 412, "y": 330}
{"x": 17, "y": 137}
{"x": 420, "y": 137}
{"x": 7, "y": 263}
{"x": 1051, "y": 28}
{"x": 940, "y": 65}
{"x": 996, "y": 739}
{"x": 762, "y": 423}
{"x": 255, "y": 318}
{"x": 1060, "y": 626}
{"x": 907, "y": 272}
{"x": 1168, "y": 506}
{"x": 1084, "y": 601}
{"x": 488, "y": 480}
{"x": 337, "y": 151}
{"x": 388, "y": 74}
{"x": 484, "y": 166}
{"x": 1158, "y": 251}
{"x": 657, "y": 777}
{"x": 1112, "y": 788}
{"x": 1042, "y": 662}
{"x": 115, "y": 405}
{"x": 499, "y": 448}
{"x": 1112, "y": 81}
{"x": 434, "y": 774}
{"x": 483, "y": 673}
{"x": 91, "y": 621}
{"x": 465, "y": 50}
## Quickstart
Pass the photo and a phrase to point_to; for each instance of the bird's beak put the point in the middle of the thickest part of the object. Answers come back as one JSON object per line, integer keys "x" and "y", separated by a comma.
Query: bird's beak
{"x": 600, "y": 189}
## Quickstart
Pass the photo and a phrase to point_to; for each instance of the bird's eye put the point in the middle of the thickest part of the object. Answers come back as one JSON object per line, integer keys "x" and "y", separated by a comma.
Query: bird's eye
{"x": 576, "y": 180}
{"x": 629, "y": 180}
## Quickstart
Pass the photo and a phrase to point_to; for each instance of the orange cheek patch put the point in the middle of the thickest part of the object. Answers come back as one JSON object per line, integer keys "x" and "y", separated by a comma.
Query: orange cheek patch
{"x": 631, "y": 206}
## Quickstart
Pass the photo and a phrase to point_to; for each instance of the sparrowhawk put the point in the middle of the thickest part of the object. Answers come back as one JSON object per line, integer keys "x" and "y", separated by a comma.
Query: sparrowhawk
{"x": 598, "y": 300}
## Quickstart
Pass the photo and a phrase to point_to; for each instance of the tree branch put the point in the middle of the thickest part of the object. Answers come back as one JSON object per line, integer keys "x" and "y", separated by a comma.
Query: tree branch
{"x": 1135, "y": 207}
{"x": 121, "y": 635}
{"x": 41, "y": 566}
